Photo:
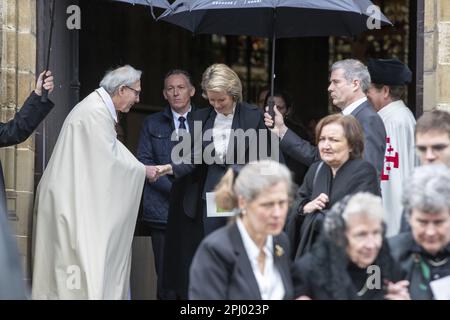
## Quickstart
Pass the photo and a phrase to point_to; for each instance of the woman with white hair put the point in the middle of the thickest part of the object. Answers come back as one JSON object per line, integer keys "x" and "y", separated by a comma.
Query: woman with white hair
{"x": 249, "y": 258}
{"x": 424, "y": 252}
{"x": 351, "y": 259}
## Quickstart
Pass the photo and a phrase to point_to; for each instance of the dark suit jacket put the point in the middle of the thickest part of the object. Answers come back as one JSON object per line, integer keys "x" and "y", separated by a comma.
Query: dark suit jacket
{"x": 353, "y": 176}
{"x": 185, "y": 225}
{"x": 13, "y": 132}
{"x": 221, "y": 269}
{"x": 374, "y": 140}
{"x": 155, "y": 147}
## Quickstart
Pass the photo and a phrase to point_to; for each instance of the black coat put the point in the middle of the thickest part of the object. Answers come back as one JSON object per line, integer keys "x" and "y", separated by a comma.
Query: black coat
{"x": 353, "y": 176}
{"x": 412, "y": 259}
{"x": 13, "y": 132}
{"x": 185, "y": 226}
{"x": 221, "y": 269}
{"x": 324, "y": 273}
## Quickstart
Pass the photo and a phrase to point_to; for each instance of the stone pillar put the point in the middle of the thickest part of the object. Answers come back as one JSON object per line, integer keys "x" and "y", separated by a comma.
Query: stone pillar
{"x": 437, "y": 55}
{"x": 17, "y": 77}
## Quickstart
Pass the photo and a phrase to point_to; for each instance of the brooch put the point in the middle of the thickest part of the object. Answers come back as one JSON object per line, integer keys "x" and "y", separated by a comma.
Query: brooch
{"x": 279, "y": 251}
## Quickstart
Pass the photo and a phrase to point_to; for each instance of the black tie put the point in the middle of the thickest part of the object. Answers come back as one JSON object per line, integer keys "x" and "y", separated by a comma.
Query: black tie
{"x": 182, "y": 121}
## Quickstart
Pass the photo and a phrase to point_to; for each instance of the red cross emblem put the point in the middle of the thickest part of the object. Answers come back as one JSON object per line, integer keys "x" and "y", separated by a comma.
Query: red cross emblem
{"x": 390, "y": 160}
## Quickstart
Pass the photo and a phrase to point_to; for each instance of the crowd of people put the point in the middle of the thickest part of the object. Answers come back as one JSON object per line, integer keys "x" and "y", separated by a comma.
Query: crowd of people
{"x": 240, "y": 204}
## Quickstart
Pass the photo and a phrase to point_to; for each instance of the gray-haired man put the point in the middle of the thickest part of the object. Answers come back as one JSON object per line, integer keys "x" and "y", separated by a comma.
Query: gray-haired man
{"x": 87, "y": 200}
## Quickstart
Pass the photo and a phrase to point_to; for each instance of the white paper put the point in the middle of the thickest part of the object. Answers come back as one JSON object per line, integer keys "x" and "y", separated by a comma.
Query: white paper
{"x": 211, "y": 207}
{"x": 441, "y": 288}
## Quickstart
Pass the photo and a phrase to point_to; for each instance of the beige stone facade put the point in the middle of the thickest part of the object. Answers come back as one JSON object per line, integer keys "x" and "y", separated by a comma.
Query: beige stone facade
{"x": 17, "y": 74}
{"x": 436, "y": 89}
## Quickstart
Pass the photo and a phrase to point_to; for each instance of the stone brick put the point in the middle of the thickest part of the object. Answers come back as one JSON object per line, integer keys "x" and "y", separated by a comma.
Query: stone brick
{"x": 10, "y": 45}
{"x": 429, "y": 52}
{"x": 27, "y": 52}
{"x": 25, "y": 170}
{"x": 9, "y": 167}
{"x": 430, "y": 15}
{"x": 10, "y": 93}
{"x": 429, "y": 91}
{"x": 25, "y": 15}
{"x": 10, "y": 10}
{"x": 26, "y": 85}
{"x": 24, "y": 205}
{"x": 444, "y": 43}
{"x": 445, "y": 10}
{"x": 444, "y": 83}
{"x": 23, "y": 245}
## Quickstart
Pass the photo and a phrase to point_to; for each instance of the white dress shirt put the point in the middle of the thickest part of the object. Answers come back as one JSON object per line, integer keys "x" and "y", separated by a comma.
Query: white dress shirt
{"x": 348, "y": 110}
{"x": 108, "y": 101}
{"x": 269, "y": 282}
{"x": 222, "y": 132}
{"x": 176, "y": 116}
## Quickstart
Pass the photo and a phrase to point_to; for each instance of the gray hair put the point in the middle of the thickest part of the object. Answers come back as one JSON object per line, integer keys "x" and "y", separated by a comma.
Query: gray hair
{"x": 250, "y": 181}
{"x": 428, "y": 190}
{"x": 122, "y": 76}
{"x": 359, "y": 204}
{"x": 354, "y": 70}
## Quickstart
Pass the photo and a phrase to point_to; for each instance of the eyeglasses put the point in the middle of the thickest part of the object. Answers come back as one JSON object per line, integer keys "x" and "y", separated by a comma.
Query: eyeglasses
{"x": 136, "y": 92}
{"x": 435, "y": 148}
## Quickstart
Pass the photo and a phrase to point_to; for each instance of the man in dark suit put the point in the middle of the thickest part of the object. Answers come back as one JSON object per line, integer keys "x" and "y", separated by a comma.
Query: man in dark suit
{"x": 349, "y": 82}
{"x": 155, "y": 147}
{"x": 13, "y": 132}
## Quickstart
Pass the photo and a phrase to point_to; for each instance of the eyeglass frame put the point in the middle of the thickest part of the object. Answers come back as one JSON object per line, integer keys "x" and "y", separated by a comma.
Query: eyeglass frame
{"x": 137, "y": 93}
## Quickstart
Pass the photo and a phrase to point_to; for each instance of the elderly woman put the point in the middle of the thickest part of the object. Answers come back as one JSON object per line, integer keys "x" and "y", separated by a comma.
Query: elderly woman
{"x": 220, "y": 147}
{"x": 249, "y": 258}
{"x": 424, "y": 252}
{"x": 351, "y": 260}
{"x": 341, "y": 172}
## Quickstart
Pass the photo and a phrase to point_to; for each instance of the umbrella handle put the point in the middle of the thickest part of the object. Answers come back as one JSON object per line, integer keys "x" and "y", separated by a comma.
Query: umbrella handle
{"x": 271, "y": 112}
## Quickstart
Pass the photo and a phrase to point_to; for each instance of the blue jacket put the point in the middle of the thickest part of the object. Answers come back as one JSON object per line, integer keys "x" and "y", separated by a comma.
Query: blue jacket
{"x": 155, "y": 148}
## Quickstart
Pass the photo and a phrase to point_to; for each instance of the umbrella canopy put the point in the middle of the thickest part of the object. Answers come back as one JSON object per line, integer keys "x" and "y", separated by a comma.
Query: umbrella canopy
{"x": 153, "y": 3}
{"x": 275, "y": 18}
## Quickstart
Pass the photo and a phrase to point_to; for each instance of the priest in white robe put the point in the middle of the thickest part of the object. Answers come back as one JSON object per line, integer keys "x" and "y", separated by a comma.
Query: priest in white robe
{"x": 389, "y": 77}
{"x": 88, "y": 198}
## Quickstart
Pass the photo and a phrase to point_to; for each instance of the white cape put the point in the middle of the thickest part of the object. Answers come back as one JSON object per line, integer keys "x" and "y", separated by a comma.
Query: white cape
{"x": 399, "y": 162}
{"x": 86, "y": 208}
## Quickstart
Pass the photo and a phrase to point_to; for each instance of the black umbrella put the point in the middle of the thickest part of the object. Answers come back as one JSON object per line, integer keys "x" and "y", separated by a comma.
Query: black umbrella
{"x": 275, "y": 18}
{"x": 44, "y": 96}
{"x": 152, "y": 3}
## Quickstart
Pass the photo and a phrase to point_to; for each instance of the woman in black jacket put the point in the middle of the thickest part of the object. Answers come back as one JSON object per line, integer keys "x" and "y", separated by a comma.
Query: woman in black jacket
{"x": 341, "y": 172}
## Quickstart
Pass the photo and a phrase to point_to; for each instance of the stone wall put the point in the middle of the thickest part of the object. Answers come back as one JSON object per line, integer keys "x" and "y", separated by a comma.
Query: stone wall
{"x": 17, "y": 77}
{"x": 437, "y": 55}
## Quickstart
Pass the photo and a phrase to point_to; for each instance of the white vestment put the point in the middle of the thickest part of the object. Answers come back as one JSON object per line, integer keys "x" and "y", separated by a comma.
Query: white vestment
{"x": 86, "y": 209}
{"x": 399, "y": 162}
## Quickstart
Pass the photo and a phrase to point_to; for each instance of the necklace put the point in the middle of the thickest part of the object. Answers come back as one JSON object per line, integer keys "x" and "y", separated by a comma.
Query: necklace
{"x": 437, "y": 263}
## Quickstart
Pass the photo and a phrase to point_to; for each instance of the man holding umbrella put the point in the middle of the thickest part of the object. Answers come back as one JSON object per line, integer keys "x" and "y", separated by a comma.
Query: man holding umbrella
{"x": 349, "y": 82}
{"x": 14, "y": 132}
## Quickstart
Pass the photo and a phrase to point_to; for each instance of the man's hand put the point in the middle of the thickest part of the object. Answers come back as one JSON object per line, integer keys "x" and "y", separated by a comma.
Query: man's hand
{"x": 280, "y": 128}
{"x": 152, "y": 173}
{"x": 48, "y": 83}
{"x": 164, "y": 169}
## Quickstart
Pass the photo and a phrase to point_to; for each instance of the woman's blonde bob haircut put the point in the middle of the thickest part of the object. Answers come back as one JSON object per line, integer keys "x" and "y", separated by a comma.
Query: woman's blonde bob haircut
{"x": 219, "y": 77}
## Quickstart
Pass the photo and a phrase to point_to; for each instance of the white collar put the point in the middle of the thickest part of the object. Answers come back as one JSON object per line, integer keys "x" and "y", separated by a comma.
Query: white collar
{"x": 176, "y": 115}
{"x": 227, "y": 117}
{"x": 350, "y": 108}
{"x": 250, "y": 246}
{"x": 108, "y": 101}
{"x": 393, "y": 105}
